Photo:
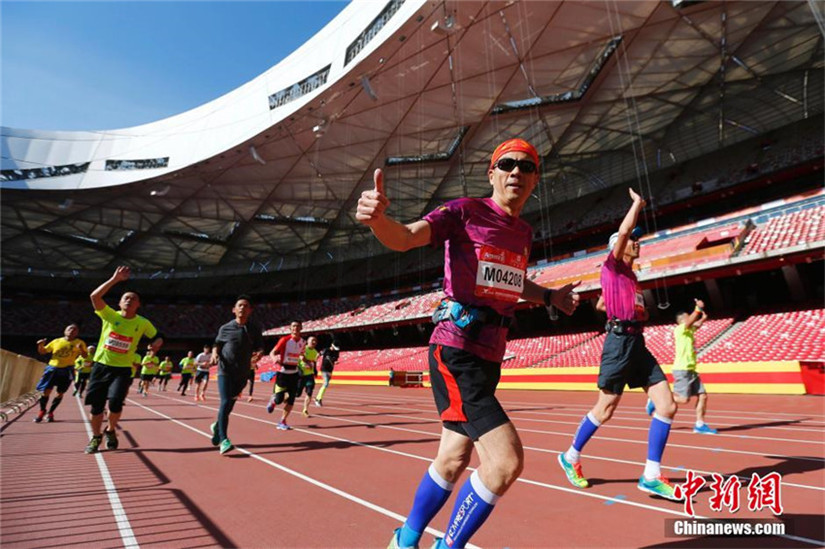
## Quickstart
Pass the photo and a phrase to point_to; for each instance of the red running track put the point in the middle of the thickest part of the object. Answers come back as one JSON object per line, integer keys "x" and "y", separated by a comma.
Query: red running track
{"x": 345, "y": 476}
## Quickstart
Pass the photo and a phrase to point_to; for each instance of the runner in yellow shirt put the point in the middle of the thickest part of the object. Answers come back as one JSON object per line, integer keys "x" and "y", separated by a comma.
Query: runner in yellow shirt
{"x": 59, "y": 372}
{"x": 83, "y": 369}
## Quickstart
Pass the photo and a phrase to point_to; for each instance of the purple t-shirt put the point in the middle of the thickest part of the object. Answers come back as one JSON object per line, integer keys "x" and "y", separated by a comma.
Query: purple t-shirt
{"x": 623, "y": 297}
{"x": 485, "y": 264}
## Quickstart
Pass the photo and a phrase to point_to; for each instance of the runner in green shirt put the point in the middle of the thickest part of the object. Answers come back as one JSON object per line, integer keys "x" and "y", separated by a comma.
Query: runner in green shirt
{"x": 165, "y": 373}
{"x": 150, "y": 366}
{"x": 187, "y": 368}
{"x": 308, "y": 370}
{"x": 120, "y": 336}
{"x": 83, "y": 369}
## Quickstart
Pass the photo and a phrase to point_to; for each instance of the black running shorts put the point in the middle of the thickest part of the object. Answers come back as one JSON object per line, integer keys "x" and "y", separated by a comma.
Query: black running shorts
{"x": 627, "y": 361}
{"x": 306, "y": 383}
{"x": 108, "y": 383}
{"x": 464, "y": 388}
{"x": 286, "y": 387}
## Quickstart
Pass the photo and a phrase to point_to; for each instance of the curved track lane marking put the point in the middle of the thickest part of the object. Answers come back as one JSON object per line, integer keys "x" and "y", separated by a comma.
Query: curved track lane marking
{"x": 532, "y": 448}
{"x": 622, "y": 415}
{"x": 122, "y": 520}
{"x": 296, "y": 474}
{"x": 612, "y": 500}
{"x": 813, "y": 419}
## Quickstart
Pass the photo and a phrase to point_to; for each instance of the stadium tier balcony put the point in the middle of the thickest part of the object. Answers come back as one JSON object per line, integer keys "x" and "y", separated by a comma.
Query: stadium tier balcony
{"x": 794, "y": 335}
{"x": 660, "y": 342}
{"x": 527, "y": 352}
{"x": 791, "y": 229}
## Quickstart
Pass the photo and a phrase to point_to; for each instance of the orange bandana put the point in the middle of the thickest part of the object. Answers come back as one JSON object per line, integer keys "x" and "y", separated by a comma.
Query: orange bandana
{"x": 514, "y": 145}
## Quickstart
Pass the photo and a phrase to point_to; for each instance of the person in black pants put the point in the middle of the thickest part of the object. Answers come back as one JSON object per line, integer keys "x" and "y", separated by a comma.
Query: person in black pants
{"x": 237, "y": 344}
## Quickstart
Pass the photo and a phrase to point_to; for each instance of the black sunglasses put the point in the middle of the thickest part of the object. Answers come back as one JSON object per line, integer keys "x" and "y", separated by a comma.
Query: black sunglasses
{"x": 509, "y": 164}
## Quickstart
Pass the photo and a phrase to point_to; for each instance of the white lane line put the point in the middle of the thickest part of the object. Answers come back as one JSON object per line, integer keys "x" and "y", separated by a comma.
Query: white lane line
{"x": 676, "y": 432}
{"x": 427, "y": 459}
{"x": 738, "y": 413}
{"x": 628, "y": 441}
{"x": 543, "y": 450}
{"x": 296, "y": 474}
{"x": 122, "y": 520}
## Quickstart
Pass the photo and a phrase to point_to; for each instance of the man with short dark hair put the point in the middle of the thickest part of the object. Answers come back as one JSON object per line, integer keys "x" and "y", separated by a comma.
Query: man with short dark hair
{"x": 120, "y": 336}
{"x": 328, "y": 359}
{"x": 203, "y": 361}
{"x": 187, "y": 367}
{"x": 287, "y": 352}
{"x": 686, "y": 380}
{"x": 237, "y": 343}
{"x": 58, "y": 373}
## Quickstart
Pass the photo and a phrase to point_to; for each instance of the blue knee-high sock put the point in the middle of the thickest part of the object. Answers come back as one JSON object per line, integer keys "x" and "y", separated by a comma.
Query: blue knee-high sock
{"x": 433, "y": 492}
{"x": 473, "y": 505}
{"x": 586, "y": 430}
{"x": 656, "y": 441}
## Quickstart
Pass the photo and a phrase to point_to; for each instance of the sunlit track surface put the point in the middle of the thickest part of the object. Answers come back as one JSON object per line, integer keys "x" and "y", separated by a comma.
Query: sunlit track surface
{"x": 348, "y": 472}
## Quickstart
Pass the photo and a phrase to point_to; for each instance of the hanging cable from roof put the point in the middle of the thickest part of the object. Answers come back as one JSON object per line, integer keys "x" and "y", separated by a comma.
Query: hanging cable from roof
{"x": 634, "y": 127}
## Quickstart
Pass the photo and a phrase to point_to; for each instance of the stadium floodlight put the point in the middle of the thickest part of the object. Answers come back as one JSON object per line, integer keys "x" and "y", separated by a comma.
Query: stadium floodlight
{"x": 365, "y": 83}
{"x": 445, "y": 27}
{"x": 254, "y": 152}
{"x": 320, "y": 128}
{"x": 161, "y": 191}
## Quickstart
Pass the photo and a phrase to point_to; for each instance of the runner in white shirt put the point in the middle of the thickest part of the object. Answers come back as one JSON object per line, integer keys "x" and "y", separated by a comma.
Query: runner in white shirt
{"x": 287, "y": 352}
{"x": 203, "y": 362}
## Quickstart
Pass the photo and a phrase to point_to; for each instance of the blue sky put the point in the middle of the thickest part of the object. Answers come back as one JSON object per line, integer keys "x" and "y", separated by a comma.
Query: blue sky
{"x": 112, "y": 64}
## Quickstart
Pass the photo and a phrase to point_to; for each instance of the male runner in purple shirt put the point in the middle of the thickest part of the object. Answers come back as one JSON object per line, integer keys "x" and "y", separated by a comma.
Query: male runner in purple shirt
{"x": 626, "y": 360}
{"x": 486, "y": 248}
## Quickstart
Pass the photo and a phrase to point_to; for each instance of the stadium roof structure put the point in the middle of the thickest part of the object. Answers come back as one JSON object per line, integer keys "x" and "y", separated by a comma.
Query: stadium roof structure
{"x": 266, "y": 177}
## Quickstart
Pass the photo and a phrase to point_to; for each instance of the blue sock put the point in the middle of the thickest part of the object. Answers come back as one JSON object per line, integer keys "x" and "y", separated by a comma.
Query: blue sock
{"x": 473, "y": 505}
{"x": 433, "y": 492}
{"x": 586, "y": 430}
{"x": 657, "y": 437}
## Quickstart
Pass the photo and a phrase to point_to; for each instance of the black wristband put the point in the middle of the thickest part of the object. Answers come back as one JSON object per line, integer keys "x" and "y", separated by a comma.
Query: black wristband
{"x": 548, "y": 296}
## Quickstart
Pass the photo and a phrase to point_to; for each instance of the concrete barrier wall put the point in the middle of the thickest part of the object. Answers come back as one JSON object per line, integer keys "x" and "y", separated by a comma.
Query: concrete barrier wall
{"x": 18, "y": 374}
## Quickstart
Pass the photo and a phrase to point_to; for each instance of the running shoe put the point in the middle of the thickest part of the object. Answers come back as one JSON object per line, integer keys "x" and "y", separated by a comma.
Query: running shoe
{"x": 660, "y": 486}
{"x": 226, "y": 446}
{"x": 270, "y": 407}
{"x": 649, "y": 407}
{"x": 283, "y": 426}
{"x": 394, "y": 541}
{"x": 50, "y": 418}
{"x": 250, "y": 399}
{"x": 111, "y": 439}
{"x": 40, "y": 415}
{"x": 94, "y": 444}
{"x": 214, "y": 429}
{"x": 305, "y": 412}
{"x": 705, "y": 429}
{"x": 439, "y": 543}
{"x": 573, "y": 472}
{"x": 318, "y": 403}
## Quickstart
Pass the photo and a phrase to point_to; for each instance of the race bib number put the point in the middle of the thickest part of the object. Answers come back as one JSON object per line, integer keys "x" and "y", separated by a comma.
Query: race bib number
{"x": 117, "y": 343}
{"x": 500, "y": 274}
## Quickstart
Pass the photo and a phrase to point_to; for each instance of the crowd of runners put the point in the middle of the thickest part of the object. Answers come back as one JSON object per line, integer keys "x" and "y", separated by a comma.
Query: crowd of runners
{"x": 486, "y": 250}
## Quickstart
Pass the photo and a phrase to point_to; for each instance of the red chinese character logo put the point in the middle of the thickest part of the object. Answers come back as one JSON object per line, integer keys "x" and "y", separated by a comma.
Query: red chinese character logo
{"x": 725, "y": 493}
{"x": 765, "y": 492}
{"x": 693, "y": 483}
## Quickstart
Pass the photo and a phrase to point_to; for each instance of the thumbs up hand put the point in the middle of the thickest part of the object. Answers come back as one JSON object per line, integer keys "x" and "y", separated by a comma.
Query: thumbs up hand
{"x": 373, "y": 203}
